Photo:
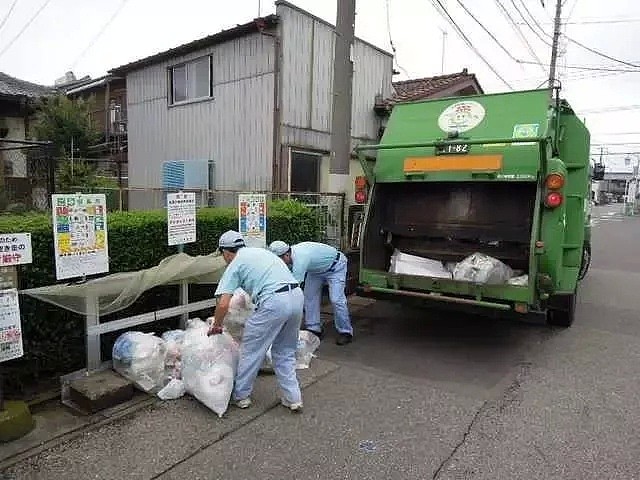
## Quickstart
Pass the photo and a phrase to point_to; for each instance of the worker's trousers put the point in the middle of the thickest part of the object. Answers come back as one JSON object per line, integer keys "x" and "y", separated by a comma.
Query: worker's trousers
{"x": 336, "y": 279}
{"x": 276, "y": 323}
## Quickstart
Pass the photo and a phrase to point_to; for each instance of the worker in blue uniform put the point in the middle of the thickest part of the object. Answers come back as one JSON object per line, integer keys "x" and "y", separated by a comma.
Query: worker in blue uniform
{"x": 275, "y": 321}
{"x": 316, "y": 264}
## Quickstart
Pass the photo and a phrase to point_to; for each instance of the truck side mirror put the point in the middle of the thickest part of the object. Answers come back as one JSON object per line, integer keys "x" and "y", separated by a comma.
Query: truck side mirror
{"x": 598, "y": 172}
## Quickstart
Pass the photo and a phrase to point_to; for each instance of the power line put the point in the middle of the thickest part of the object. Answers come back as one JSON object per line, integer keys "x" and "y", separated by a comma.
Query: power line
{"x": 535, "y": 22}
{"x": 586, "y": 67}
{"x": 487, "y": 32}
{"x": 611, "y": 109}
{"x": 461, "y": 34}
{"x": 393, "y": 47}
{"x": 597, "y": 52}
{"x": 546, "y": 42}
{"x": 518, "y": 31}
{"x": 6, "y": 17}
{"x": 592, "y": 22}
{"x": 13, "y": 40}
{"x": 100, "y": 32}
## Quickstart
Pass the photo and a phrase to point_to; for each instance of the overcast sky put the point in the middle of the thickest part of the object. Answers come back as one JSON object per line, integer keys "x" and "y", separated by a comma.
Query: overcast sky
{"x": 65, "y": 36}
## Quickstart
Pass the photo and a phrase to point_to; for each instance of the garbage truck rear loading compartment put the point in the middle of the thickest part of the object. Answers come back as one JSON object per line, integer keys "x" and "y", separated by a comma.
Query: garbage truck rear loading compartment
{"x": 505, "y": 175}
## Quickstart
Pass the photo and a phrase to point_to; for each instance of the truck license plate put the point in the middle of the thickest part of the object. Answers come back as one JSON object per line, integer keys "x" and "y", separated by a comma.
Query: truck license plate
{"x": 452, "y": 149}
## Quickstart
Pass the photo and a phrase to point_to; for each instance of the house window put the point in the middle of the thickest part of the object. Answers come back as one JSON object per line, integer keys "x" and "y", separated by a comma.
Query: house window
{"x": 305, "y": 174}
{"x": 191, "y": 81}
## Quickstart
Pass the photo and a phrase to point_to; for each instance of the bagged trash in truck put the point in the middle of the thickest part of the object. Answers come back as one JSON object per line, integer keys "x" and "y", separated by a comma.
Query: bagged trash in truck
{"x": 481, "y": 268}
{"x": 406, "y": 264}
{"x": 140, "y": 357}
{"x": 209, "y": 366}
{"x": 521, "y": 280}
{"x": 173, "y": 364}
{"x": 240, "y": 309}
{"x": 308, "y": 343}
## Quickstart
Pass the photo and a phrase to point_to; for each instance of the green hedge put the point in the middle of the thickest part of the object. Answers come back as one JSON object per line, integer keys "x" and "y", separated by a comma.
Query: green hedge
{"x": 54, "y": 339}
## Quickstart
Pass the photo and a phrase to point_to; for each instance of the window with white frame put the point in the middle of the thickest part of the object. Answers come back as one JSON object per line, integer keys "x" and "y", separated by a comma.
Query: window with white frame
{"x": 191, "y": 80}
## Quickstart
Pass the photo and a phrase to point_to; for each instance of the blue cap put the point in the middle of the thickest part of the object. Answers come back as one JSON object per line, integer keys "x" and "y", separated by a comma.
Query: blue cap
{"x": 279, "y": 247}
{"x": 231, "y": 239}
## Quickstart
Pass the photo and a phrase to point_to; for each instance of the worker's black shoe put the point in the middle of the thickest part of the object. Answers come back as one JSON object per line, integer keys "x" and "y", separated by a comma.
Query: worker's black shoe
{"x": 319, "y": 334}
{"x": 344, "y": 339}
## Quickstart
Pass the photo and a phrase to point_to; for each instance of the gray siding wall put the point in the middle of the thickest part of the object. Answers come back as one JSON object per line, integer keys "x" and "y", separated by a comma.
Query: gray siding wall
{"x": 307, "y": 82}
{"x": 234, "y": 129}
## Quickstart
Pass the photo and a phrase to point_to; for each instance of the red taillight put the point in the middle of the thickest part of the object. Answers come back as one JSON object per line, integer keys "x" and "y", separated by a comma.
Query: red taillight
{"x": 553, "y": 200}
{"x": 554, "y": 181}
{"x": 361, "y": 196}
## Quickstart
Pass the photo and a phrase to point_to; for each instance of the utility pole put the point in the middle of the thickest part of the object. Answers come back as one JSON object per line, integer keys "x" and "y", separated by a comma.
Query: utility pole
{"x": 342, "y": 93}
{"x": 554, "y": 46}
{"x": 444, "y": 40}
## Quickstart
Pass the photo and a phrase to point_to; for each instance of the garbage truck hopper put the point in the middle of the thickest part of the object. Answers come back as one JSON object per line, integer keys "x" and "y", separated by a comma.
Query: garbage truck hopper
{"x": 478, "y": 201}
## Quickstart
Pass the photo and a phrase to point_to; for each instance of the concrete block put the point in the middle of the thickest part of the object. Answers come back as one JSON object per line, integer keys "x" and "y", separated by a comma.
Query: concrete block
{"x": 100, "y": 390}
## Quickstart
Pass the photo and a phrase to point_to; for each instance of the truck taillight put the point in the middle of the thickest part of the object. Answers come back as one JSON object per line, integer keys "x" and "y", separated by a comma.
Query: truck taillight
{"x": 553, "y": 199}
{"x": 554, "y": 181}
{"x": 361, "y": 196}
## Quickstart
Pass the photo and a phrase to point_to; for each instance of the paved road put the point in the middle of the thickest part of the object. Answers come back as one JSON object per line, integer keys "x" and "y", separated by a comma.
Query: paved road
{"x": 419, "y": 395}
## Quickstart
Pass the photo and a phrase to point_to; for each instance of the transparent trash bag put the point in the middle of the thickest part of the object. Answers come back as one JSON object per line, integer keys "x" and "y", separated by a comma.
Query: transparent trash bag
{"x": 308, "y": 343}
{"x": 172, "y": 390}
{"x": 481, "y": 268}
{"x": 209, "y": 365}
{"x": 240, "y": 309}
{"x": 140, "y": 357}
{"x": 521, "y": 280}
{"x": 173, "y": 364}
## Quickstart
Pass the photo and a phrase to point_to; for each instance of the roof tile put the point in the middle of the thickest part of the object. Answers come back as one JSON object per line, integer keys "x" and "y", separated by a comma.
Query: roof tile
{"x": 14, "y": 87}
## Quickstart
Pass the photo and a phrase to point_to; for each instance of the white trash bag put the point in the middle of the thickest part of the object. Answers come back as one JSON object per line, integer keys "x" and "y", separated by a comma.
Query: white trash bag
{"x": 140, "y": 357}
{"x": 520, "y": 281}
{"x": 209, "y": 366}
{"x": 308, "y": 343}
{"x": 173, "y": 363}
{"x": 240, "y": 309}
{"x": 481, "y": 268}
{"x": 172, "y": 390}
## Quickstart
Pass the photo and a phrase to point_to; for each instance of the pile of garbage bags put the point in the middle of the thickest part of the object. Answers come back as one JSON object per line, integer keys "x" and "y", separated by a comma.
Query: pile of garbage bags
{"x": 476, "y": 268}
{"x": 190, "y": 361}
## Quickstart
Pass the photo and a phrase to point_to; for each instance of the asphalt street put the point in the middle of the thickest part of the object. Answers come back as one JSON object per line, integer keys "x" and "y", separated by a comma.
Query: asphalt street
{"x": 418, "y": 395}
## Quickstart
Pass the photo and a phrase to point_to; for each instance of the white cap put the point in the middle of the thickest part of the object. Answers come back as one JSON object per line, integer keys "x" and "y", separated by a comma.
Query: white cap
{"x": 231, "y": 239}
{"x": 279, "y": 247}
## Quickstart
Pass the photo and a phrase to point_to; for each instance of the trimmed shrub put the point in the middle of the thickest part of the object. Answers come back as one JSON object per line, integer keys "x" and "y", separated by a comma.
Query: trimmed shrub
{"x": 54, "y": 338}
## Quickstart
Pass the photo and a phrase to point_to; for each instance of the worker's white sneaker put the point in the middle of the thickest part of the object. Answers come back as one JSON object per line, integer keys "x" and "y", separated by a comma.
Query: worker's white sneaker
{"x": 295, "y": 407}
{"x": 244, "y": 403}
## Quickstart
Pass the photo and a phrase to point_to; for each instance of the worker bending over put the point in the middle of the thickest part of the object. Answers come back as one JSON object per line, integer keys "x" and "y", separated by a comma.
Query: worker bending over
{"x": 316, "y": 264}
{"x": 275, "y": 321}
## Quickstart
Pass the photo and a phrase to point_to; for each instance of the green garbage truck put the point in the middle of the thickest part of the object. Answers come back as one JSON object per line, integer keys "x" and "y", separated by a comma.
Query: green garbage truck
{"x": 479, "y": 202}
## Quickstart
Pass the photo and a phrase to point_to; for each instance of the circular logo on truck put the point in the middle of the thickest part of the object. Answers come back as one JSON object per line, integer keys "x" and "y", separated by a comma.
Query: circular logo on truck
{"x": 461, "y": 116}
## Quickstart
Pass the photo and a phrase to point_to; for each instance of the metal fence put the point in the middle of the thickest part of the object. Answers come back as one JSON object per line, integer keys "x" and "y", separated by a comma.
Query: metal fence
{"x": 27, "y": 175}
{"x": 329, "y": 206}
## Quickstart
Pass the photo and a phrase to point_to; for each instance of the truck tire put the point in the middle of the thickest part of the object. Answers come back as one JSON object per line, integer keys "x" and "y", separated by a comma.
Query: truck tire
{"x": 561, "y": 310}
{"x": 586, "y": 261}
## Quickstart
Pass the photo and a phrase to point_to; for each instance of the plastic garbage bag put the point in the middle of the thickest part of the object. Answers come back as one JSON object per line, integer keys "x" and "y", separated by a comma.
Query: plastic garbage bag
{"x": 481, "y": 268}
{"x": 521, "y": 280}
{"x": 172, "y": 390}
{"x": 173, "y": 365}
{"x": 140, "y": 357}
{"x": 240, "y": 309}
{"x": 406, "y": 264}
{"x": 308, "y": 343}
{"x": 209, "y": 365}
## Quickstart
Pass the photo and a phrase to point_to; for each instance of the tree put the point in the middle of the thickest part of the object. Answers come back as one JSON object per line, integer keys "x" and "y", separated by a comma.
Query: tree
{"x": 67, "y": 122}
{"x": 60, "y": 119}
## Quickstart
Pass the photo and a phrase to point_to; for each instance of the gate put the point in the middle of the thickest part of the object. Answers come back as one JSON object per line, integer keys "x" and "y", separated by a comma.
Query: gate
{"x": 27, "y": 175}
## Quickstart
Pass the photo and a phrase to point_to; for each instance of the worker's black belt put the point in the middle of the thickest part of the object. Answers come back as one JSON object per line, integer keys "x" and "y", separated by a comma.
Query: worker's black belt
{"x": 287, "y": 288}
{"x": 335, "y": 262}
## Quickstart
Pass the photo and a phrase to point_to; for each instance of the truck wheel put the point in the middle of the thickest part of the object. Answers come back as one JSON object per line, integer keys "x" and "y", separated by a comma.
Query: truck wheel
{"x": 586, "y": 261}
{"x": 561, "y": 310}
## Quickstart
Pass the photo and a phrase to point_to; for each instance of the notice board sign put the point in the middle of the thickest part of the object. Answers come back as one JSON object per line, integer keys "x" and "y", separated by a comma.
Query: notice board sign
{"x": 181, "y": 218}
{"x": 15, "y": 249}
{"x": 80, "y": 235}
{"x": 252, "y": 219}
{"x": 10, "y": 326}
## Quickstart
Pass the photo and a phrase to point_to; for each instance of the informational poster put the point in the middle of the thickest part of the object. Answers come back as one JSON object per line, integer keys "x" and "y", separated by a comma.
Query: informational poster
{"x": 252, "y": 218}
{"x": 15, "y": 249}
{"x": 10, "y": 327}
{"x": 181, "y": 218}
{"x": 80, "y": 235}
